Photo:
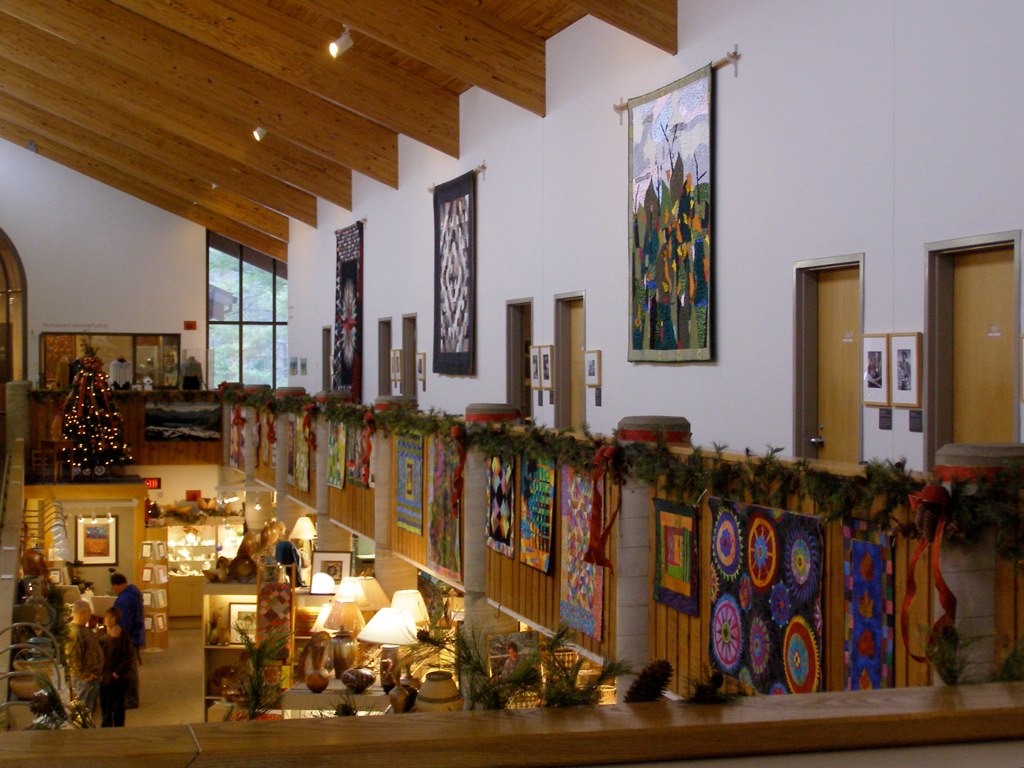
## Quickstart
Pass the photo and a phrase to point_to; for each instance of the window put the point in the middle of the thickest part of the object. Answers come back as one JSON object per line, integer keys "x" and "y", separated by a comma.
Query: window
{"x": 247, "y": 313}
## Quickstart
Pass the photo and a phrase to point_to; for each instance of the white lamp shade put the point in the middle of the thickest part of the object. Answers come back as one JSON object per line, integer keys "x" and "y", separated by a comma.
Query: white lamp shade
{"x": 303, "y": 529}
{"x": 390, "y": 626}
{"x": 344, "y": 616}
{"x": 375, "y": 594}
{"x": 365, "y": 591}
{"x": 322, "y": 584}
{"x": 412, "y": 601}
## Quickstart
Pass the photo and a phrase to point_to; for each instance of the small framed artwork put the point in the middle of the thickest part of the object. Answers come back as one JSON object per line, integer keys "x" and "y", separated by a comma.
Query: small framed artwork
{"x": 875, "y": 363}
{"x": 146, "y": 552}
{"x": 905, "y": 359}
{"x": 147, "y": 574}
{"x": 242, "y": 618}
{"x": 56, "y": 575}
{"x": 396, "y": 365}
{"x": 507, "y": 650}
{"x": 148, "y": 623}
{"x": 303, "y": 366}
{"x": 147, "y": 598}
{"x": 337, "y": 565}
{"x": 159, "y": 550}
{"x": 592, "y": 367}
{"x": 421, "y": 366}
{"x": 535, "y": 367}
{"x": 547, "y": 362}
{"x": 293, "y": 366}
{"x": 161, "y": 622}
{"x": 97, "y": 541}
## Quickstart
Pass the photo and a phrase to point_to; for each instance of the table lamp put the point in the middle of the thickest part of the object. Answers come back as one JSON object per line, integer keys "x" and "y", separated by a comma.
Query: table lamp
{"x": 412, "y": 601}
{"x": 390, "y": 628}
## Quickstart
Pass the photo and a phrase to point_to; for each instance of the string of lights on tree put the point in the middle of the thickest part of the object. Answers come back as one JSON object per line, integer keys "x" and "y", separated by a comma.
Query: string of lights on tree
{"x": 92, "y": 423}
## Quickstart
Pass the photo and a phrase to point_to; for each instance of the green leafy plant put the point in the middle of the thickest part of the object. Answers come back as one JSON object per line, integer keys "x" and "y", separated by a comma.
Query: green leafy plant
{"x": 259, "y": 688}
{"x": 946, "y": 650}
{"x": 562, "y": 687}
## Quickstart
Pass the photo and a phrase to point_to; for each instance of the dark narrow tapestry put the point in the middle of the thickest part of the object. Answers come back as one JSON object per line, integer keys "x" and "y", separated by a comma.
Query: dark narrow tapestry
{"x": 501, "y": 499}
{"x": 409, "y": 483}
{"x": 267, "y": 449}
{"x": 336, "y": 455}
{"x": 675, "y": 556}
{"x": 670, "y": 255}
{"x": 355, "y": 456}
{"x": 289, "y": 436}
{"x": 537, "y": 512}
{"x": 347, "y": 363}
{"x": 766, "y": 620}
{"x": 302, "y": 431}
{"x": 581, "y": 591}
{"x": 455, "y": 277}
{"x": 444, "y": 545}
{"x": 870, "y": 613}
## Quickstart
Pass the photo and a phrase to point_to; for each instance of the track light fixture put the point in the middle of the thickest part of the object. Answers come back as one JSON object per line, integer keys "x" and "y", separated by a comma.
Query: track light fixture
{"x": 342, "y": 44}
{"x": 259, "y": 133}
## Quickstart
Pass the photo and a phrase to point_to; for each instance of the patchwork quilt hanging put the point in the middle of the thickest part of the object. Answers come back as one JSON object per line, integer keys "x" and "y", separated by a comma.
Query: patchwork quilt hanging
{"x": 301, "y": 454}
{"x": 409, "y": 483}
{"x": 455, "y": 277}
{"x": 582, "y": 584}
{"x": 336, "y": 455}
{"x": 670, "y": 255}
{"x": 766, "y": 621}
{"x": 501, "y": 499}
{"x": 676, "y": 564}
{"x": 868, "y": 590}
{"x": 355, "y": 455}
{"x": 537, "y": 512}
{"x": 444, "y": 544}
{"x": 347, "y": 358}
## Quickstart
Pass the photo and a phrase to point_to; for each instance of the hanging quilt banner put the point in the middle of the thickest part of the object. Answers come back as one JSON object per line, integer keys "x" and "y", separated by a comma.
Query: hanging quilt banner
{"x": 676, "y": 563}
{"x": 766, "y": 571}
{"x": 455, "y": 277}
{"x": 259, "y": 439}
{"x": 582, "y": 584}
{"x": 347, "y": 358}
{"x": 336, "y": 455}
{"x": 868, "y": 590}
{"x": 409, "y": 483}
{"x": 670, "y": 256}
{"x": 274, "y": 615}
{"x": 289, "y": 436}
{"x": 537, "y": 511}
{"x": 301, "y": 455}
{"x": 268, "y": 447}
{"x": 444, "y": 545}
{"x": 501, "y": 499}
{"x": 355, "y": 456}
{"x": 236, "y": 439}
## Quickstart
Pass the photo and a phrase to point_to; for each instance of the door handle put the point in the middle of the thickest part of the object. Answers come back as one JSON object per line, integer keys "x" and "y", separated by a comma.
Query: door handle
{"x": 818, "y": 442}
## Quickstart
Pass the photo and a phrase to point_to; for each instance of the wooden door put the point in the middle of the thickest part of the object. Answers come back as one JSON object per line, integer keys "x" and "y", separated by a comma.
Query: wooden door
{"x": 838, "y": 364}
{"x": 570, "y": 402}
{"x": 577, "y": 388}
{"x": 983, "y": 346}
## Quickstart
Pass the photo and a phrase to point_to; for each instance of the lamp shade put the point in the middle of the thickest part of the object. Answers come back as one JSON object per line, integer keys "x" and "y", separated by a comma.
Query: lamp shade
{"x": 303, "y": 529}
{"x": 390, "y": 626}
{"x": 344, "y": 616}
{"x": 365, "y": 591}
{"x": 322, "y": 584}
{"x": 412, "y": 601}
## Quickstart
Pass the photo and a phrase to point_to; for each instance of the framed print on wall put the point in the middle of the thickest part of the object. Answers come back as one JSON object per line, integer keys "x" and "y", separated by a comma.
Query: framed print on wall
{"x": 242, "y": 618}
{"x": 547, "y": 362}
{"x": 905, "y": 358}
{"x": 421, "y": 366}
{"x": 875, "y": 365}
{"x": 97, "y": 541}
{"x": 535, "y": 367}
{"x": 592, "y": 367}
{"x": 337, "y": 565}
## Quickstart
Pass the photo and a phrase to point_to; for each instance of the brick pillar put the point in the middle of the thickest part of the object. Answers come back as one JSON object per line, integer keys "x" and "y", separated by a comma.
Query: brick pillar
{"x": 17, "y": 413}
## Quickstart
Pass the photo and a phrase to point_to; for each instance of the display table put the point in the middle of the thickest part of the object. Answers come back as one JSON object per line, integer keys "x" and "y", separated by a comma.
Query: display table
{"x": 299, "y": 699}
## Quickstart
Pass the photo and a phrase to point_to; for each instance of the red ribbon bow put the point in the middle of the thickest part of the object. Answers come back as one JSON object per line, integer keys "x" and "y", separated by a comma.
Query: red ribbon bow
{"x": 596, "y": 553}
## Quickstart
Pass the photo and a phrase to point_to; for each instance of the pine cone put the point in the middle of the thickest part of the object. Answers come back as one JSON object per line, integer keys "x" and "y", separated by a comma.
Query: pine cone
{"x": 650, "y": 683}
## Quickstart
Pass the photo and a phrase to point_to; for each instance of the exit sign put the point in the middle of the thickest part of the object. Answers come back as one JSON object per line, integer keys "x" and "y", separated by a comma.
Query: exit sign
{"x": 153, "y": 483}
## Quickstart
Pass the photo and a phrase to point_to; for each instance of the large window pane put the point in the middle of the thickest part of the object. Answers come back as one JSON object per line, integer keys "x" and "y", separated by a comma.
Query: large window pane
{"x": 281, "y": 283}
{"x": 257, "y": 293}
{"x": 258, "y": 354}
{"x": 224, "y": 290}
{"x": 282, "y": 355}
{"x": 223, "y": 354}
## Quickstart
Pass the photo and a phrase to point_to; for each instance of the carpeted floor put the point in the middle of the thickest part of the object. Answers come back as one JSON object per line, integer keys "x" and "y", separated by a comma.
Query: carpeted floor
{"x": 171, "y": 682}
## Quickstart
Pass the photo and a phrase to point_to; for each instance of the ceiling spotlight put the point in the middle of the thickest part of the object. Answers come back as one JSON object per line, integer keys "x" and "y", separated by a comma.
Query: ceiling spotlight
{"x": 259, "y": 133}
{"x": 342, "y": 44}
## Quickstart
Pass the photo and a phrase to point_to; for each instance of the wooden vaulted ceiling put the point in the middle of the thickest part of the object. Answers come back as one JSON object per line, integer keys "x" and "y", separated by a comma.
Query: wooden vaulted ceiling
{"x": 159, "y": 98}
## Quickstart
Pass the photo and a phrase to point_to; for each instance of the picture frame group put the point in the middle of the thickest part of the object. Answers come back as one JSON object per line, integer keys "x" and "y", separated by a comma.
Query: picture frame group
{"x": 542, "y": 364}
{"x": 891, "y": 367}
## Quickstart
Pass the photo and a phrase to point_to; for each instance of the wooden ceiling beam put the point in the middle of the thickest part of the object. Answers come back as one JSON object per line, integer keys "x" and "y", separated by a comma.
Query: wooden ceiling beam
{"x": 144, "y": 168}
{"x": 111, "y": 84}
{"x": 162, "y": 57}
{"x": 105, "y": 174}
{"x": 283, "y": 47}
{"x": 457, "y": 38}
{"x": 155, "y": 141}
{"x": 653, "y": 21}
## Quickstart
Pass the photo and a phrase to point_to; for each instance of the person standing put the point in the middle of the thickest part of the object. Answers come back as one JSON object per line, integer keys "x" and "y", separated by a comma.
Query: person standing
{"x": 129, "y": 603}
{"x": 84, "y": 656}
{"x": 118, "y": 653}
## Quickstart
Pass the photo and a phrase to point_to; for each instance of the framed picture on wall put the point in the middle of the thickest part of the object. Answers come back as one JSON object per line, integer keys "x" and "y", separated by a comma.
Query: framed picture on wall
{"x": 535, "y": 367}
{"x": 592, "y": 367}
{"x": 547, "y": 363}
{"x": 905, "y": 359}
{"x": 337, "y": 565}
{"x": 96, "y": 543}
{"x": 396, "y": 365}
{"x": 875, "y": 369}
{"x": 242, "y": 618}
{"x": 421, "y": 366}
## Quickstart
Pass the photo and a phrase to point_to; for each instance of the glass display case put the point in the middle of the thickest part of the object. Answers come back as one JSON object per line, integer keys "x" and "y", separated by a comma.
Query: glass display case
{"x": 191, "y": 549}
{"x": 135, "y": 360}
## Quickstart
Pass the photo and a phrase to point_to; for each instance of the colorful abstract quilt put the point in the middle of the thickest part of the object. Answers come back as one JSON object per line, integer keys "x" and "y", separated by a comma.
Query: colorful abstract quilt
{"x": 766, "y": 621}
{"x": 537, "y": 512}
{"x": 355, "y": 455}
{"x": 870, "y": 616}
{"x": 675, "y": 559}
{"x": 347, "y": 362}
{"x": 444, "y": 545}
{"x": 301, "y": 455}
{"x": 409, "y": 483}
{"x": 582, "y": 584}
{"x": 501, "y": 499}
{"x": 336, "y": 455}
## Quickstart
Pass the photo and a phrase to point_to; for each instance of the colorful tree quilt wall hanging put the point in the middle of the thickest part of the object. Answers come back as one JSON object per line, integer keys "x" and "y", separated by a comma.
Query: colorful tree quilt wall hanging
{"x": 676, "y": 563}
{"x": 670, "y": 256}
{"x": 409, "y": 483}
{"x": 582, "y": 584}
{"x": 336, "y": 455}
{"x": 347, "y": 358}
{"x": 766, "y": 597}
{"x": 355, "y": 455}
{"x": 455, "y": 276}
{"x": 501, "y": 499}
{"x": 444, "y": 545}
{"x": 301, "y": 455}
{"x": 537, "y": 512}
{"x": 868, "y": 590}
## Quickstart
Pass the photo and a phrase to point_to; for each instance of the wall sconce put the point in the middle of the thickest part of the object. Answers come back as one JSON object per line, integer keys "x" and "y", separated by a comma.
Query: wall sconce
{"x": 259, "y": 133}
{"x": 342, "y": 44}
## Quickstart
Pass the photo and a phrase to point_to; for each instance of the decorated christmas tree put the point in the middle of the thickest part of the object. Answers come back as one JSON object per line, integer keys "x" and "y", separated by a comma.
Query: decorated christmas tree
{"x": 92, "y": 424}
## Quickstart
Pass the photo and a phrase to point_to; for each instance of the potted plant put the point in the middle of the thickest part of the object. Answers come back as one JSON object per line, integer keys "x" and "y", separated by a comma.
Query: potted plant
{"x": 259, "y": 684}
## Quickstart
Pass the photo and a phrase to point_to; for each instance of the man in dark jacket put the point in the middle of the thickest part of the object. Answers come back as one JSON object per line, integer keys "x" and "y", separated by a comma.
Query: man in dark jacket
{"x": 129, "y": 602}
